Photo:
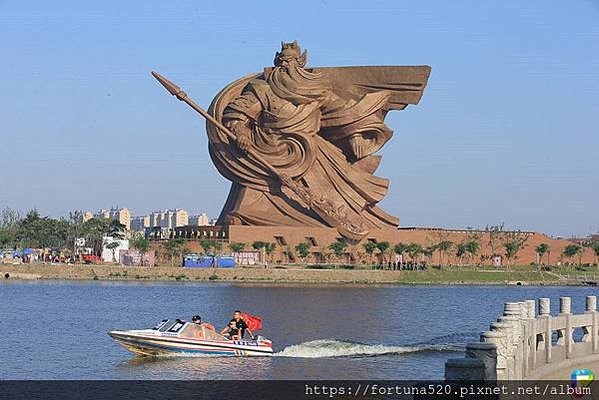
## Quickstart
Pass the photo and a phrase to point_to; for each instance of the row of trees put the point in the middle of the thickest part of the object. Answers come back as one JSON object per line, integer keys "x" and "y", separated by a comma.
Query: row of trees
{"x": 34, "y": 230}
{"x": 467, "y": 252}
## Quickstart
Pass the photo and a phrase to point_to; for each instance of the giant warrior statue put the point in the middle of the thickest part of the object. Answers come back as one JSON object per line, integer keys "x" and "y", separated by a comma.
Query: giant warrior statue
{"x": 295, "y": 141}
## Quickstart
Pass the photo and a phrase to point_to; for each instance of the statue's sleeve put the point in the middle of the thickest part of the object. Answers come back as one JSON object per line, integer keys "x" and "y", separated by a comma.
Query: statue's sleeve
{"x": 242, "y": 113}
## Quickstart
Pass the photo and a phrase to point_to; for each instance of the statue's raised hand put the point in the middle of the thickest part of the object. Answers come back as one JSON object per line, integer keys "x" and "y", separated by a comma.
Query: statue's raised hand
{"x": 358, "y": 146}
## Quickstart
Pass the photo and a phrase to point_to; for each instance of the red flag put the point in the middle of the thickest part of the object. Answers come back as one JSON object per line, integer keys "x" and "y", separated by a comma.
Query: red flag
{"x": 252, "y": 321}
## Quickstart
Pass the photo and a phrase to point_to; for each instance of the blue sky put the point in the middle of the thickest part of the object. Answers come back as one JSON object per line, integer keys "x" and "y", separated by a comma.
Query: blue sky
{"x": 507, "y": 130}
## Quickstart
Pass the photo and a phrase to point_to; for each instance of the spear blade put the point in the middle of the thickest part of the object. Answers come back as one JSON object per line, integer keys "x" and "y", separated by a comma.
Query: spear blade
{"x": 168, "y": 85}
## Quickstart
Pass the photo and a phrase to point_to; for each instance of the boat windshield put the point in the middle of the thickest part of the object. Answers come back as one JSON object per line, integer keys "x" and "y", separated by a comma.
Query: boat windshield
{"x": 196, "y": 331}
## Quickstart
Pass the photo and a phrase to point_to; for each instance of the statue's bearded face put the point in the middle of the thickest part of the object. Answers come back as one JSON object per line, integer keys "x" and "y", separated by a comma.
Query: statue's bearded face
{"x": 291, "y": 80}
{"x": 287, "y": 61}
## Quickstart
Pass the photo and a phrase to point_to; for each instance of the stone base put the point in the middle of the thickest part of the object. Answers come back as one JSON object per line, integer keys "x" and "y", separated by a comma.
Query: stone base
{"x": 287, "y": 238}
{"x": 290, "y": 236}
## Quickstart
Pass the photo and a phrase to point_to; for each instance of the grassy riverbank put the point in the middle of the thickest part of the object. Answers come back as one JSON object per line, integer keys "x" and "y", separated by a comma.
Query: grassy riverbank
{"x": 286, "y": 275}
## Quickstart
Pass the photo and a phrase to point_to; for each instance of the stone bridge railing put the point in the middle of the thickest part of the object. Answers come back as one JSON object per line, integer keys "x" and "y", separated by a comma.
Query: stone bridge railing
{"x": 523, "y": 345}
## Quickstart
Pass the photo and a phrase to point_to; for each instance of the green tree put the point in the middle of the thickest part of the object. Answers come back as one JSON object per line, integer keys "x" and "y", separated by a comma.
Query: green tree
{"x": 369, "y": 248}
{"x": 428, "y": 252}
{"x": 595, "y": 247}
{"x": 511, "y": 249}
{"x": 383, "y": 248}
{"x": 141, "y": 244}
{"x": 206, "y": 246}
{"x": 217, "y": 246}
{"x": 496, "y": 238}
{"x": 338, "y": 248}
{"x": 269, "y": 249}
{"x": 258, "y": 245}
{"x": 572, "y": 250}
{"x": 175, "y": 249}
{"x": 9, "y": 222}
{"x": 414, "y": 250}
{"x": 514, "y": 241}
{"x": 472, "y": 248}
{"x": 37, "y": 231}
{"x": 460, "y": 251}
{"x": 93, "y": 231}
{"x": 541, "y": 250}
{"x": 237, "y": 247}
{"x": 443, "y": 247}
{"x": 303, "y": 249}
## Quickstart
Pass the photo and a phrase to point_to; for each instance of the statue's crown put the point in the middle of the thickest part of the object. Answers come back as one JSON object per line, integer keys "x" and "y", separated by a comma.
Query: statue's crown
{"x": 291, "y": 49}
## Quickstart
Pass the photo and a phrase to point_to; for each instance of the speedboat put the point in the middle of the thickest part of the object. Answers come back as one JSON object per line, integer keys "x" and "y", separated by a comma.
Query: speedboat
{"x": 178, "y": 337}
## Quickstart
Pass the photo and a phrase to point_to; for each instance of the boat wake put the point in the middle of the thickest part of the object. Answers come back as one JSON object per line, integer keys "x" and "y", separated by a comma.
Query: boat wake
{"x": 326, "y": 348}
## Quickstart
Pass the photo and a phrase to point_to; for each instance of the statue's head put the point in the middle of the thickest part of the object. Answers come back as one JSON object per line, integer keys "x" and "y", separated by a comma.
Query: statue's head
{"x": 290, "y": 54}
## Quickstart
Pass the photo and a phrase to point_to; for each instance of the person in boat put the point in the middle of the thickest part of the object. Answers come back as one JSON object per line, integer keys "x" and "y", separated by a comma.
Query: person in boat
{"x": 241, "y": 325}
{"x": 231, "y": 331}
{"x": 196, "y": 319}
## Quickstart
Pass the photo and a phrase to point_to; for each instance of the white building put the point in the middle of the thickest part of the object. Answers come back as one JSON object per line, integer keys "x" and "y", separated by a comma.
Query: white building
{"x": 112, "y": 255}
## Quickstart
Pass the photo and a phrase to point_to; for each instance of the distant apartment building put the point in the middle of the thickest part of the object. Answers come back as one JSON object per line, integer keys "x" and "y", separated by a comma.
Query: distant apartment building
{"x": 123, "y": 215}
{"x": 199, "y": 220}
{"x": 168, "y": 218}
{"x": 86, "y": 216}
{"x": 140, "y": 223}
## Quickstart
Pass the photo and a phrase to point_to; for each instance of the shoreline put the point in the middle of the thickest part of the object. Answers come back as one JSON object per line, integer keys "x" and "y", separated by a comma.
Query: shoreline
{"x": 278, "y": 276}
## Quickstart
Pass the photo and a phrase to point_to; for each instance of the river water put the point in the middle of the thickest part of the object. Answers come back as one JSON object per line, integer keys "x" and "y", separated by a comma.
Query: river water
{"x": 57, "y": 329}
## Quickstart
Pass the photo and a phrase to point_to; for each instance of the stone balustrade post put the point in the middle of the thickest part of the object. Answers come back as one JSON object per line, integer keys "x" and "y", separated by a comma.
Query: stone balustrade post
{"x": 529, "y": 336}
{"x": 545, "y": 317}
{"x": 591, "y": 333}
{"x": 502, "y": 346}
{"x": 486, "y": 351}
{"x": 513, "y": 313}
{"x": 506, "y": 328}
{"x": 544, "y": 306}
{"x": 564, "y": 336}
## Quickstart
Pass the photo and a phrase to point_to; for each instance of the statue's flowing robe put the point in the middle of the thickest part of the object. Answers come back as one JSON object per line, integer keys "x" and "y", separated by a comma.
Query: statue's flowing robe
{"x": 305, "y": 133}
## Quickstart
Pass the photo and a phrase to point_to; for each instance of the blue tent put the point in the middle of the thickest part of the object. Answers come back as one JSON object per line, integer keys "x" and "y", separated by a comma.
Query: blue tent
{"x": 26, "y": 252}
{"x": 16, "y": 254}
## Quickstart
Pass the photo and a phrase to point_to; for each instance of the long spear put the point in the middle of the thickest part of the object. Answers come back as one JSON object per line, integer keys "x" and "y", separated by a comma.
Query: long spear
{"x": 322, "y": 206}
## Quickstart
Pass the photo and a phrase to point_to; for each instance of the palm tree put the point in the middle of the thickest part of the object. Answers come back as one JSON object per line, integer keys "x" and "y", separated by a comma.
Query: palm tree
{"x": 428, "y": 252}
{"x": 369, "y": 248}
{"x": 303, "y": 250}
{"x": 595, "y": 248}
{"x": 269, "y": 248}
{"x": 472, "y": 248}
{"x": 217, "y": 246}
{"x": 338, "y": 248}
{"x": 414, "y": 250}
{"x": 572, "y": 250}
{"x": 141, "y": 244}
{"x": 460, "y": 251}
{"x": 443, "y": 247}
{"x": 541, "y": 250}
{"x": 399, "y": 249}
{"x": 236, "y": 247}
{"x": 383, "y": 247}
{"x": 206, "y": 245}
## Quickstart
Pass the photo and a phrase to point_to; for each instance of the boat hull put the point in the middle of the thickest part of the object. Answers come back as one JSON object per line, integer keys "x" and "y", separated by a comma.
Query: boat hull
{"x": 150, "y": 344}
